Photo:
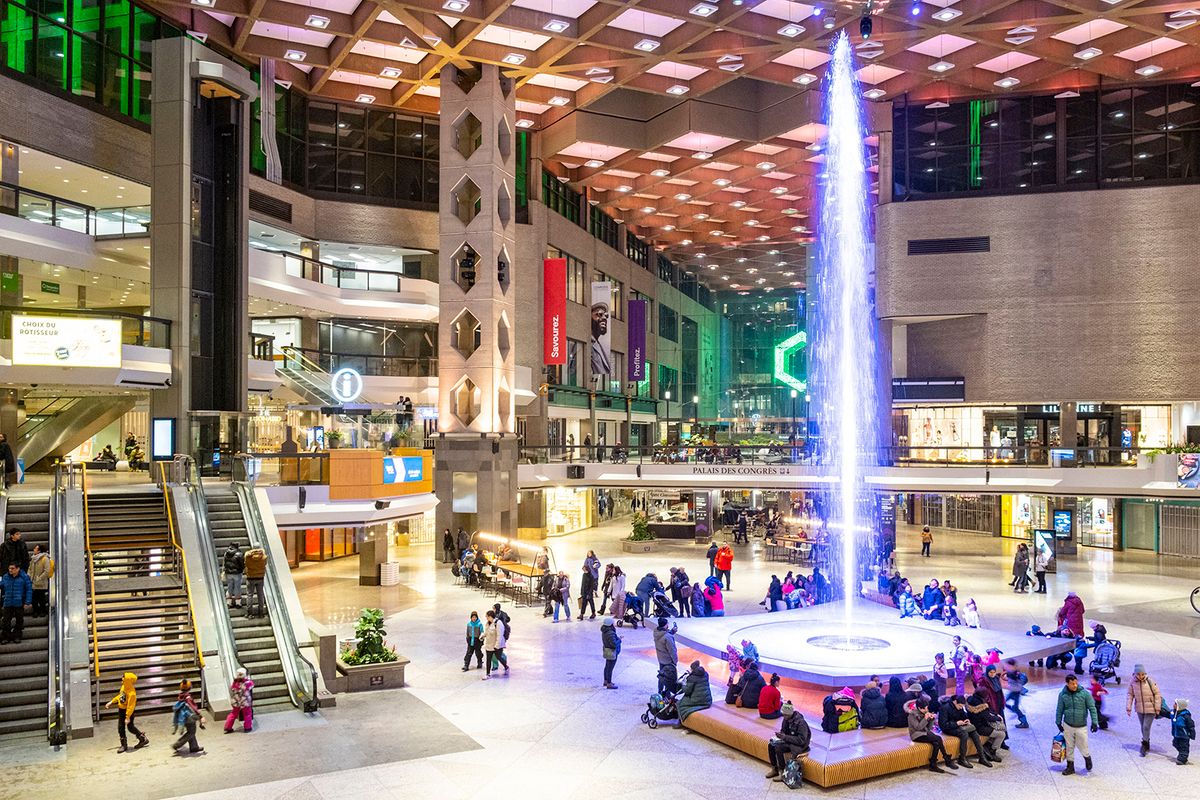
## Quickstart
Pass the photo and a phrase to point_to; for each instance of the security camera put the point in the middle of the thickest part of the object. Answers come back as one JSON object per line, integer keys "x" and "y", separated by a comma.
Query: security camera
{"x": 167, "y": 382}
{"x": 864, "y": 26}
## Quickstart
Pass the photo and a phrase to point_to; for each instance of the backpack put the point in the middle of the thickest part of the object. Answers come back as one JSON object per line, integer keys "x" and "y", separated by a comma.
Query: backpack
{"x": 793, "y": 773}
{"x": 184, "y": 715}
{"x": 455, "y": 570}
{"x": 848, "y": 720}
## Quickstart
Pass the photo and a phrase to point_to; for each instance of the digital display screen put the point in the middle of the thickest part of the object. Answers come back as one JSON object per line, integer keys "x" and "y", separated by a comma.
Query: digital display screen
{"x": 162, "y": 438}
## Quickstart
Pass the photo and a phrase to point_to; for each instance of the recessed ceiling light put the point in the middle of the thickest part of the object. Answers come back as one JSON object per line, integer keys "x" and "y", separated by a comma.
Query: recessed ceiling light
{"x": 660, "y": 173}
{"x": 1088, "y": 53}
{"x": 791, "y": 30}
{"x": 683, "y": 196}
{"x": 647, "y": 45}
{"x": 779, "y": 190}
{"x": 624, "y": 188}
{"x": 647, "y": 209}
{"x": 390, "y": 72}
{"x": 703, "y": 155}
{"x": 365, "y": 98}
{"x": 947, "y": 14}
{"x": 701, "y": 217}
{"x": 514, "y": 58}
{"x": 668, "y": 227}
{"x": 317, "y": 21}
{"x": 738, "y": 204}
{"x": 731, "y": 67}
{"x": 791, "y": 211}
{"x": 1068, "y": 94}
{"x": 766, "y": 165}
{"x": 804, "y": 78}
{"x": 751, "y": 223}
{"x": 457, "y": 6}
{"x": 686, "y": 241}
{"x": 558, "y": 100}
{"x": 204, "y": 3}
{"x": 703, "y": 9}
{"x": 1007, "y": 82}
{"x": 557, "y": 26}
{"x": 677, "y": 89}
{"x": 874, "y": 94}
{"x": 722, "y": 182}
{"x": 593, "y": 163}
{"x": 1148, "y": 70}
{"x": 941, "y": 66}
{"x": 524, "y": 123}
{"x": 295, "y": 55}
{"x": 764, "y": 238}
{"x": 742, "y": 260}
{"x": 938, "y": 104}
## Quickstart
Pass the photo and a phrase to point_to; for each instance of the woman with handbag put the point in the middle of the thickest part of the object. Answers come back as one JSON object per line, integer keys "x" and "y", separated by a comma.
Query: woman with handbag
{"x": 611, "y": 643}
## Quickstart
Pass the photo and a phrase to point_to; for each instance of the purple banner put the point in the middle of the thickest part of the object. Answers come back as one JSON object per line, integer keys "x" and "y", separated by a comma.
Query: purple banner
{"x": 636, "y": 360}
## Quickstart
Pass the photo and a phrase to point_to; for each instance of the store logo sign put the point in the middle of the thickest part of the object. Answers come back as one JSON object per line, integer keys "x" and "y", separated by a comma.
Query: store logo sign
{"x": 346, "y": 385}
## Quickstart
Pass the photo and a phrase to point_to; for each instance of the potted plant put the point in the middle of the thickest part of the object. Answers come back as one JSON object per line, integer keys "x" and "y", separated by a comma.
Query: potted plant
{"x": 333, "y": 439}
{"x": 641, "y": 539}
{"x": 370, "y": 663}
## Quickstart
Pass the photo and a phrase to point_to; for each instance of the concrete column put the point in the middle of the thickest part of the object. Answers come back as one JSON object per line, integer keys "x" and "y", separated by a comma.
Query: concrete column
{"x": 10, "y": 414}
{"x": 311, "y": 250}
{"x": 372, "y": 552}
{"x": 1067, "y": 423}
{"x": 477, "y": 453}
{"x": 10, "y": 166}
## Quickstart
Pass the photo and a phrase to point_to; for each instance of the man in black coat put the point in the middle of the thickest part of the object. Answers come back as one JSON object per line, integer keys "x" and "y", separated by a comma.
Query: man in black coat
{"x": 954, "y": 721}
{"x": 712, "y": 559}
{"x": 14, "y": 551}
{"x": 793, "y": 740}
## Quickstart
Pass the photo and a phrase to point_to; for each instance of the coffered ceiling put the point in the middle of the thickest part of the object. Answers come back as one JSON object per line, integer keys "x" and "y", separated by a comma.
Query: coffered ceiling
{"x": 695, "y": 121}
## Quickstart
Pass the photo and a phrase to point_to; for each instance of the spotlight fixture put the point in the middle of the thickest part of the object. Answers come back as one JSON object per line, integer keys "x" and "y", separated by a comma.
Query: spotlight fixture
{"x": 677, "y": 89}
{"x": 703, "y": 155}
{"x": 558, "y": 100}
{"x": 524, "y": 123}
{"x": 457, "y": 6}
{"x": 557, "y": 26}
{"x": 647, "y": 209}
{"x": 947, "y": 14}
{"x": 916, "y": 9}
{"x": 593, "y": 163}
{"x": 204, "y": 3}
{"x": 660, "y": 173}
{"x": 647, "y": 45}
{"x": 389, "y": 72}
{"x": 722, "y": 182}
{"x": 624, "y": 188}
{"x": 703, "y": 9}
{"x": 365, "y": 98}
{"x": 683, "y": 196}
{"x": 1088, "y": 53}
{"x": 874, "y": 94}
{"x": 516, "y": 59}
{"x": 941, "y": 66}
{"x": 864, "y": 27}
{"x": 738, "y": 204}
{"x": 779, "y": 190}
{"x": 317, "y": 21}
{"x": 1007, "y": 82}
{"x": 791, "y": 30}
{"x": 701, "y": 217}
{"x": 804, "y": 78}
{"x": 1148, "y": 70}
{"x": 829, "y": 23}
{"x": 295, "y": 55}
{"x": 766, "y": 165}
{"x": 668, "y": 227}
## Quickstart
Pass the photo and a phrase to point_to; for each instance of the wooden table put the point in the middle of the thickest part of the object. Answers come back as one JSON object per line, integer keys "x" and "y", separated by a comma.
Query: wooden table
{"x": 793, "y": 549}
{"x": 525, "y": 570}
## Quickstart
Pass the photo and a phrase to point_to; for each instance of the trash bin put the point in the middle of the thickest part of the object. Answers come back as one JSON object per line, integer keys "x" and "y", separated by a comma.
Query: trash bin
{"x": 389, "y": 573}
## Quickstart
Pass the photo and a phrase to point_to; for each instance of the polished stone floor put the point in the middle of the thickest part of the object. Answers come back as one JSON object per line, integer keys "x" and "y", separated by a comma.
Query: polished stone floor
{"x": 550, "y": 730}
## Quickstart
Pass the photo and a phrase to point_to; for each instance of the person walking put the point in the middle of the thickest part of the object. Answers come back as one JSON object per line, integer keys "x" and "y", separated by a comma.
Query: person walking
{"x": 493, "y": 645}
{"x": 926, "y": 541}
{"x": 724, "y": 562}
{"x": 447, "y": 546}
{"x": 126, "y": 703}
{"x": 920, "y": 729}
{"x": 1021, "y": 569}
{"x": 9, "y": 460}
{"x": 14, "y": 551}
{"x": 256, "y": 571}
{"x": 562, "y": 600}
{"x": 1183, "y": 731}
{"x": 712, "y": 558}
{"x": 1144, "y": 698}
{"x": 587, "y": 584}
{"x": 186, "y": 716}
{"x": 1041, "y": 562}
{"x": 792, "y": 742}
{"x": 474, "y": 642}
{"x": 41, "y": 570}
{"x": 463, "y": 540}
{"x": 742, "y": 525}
{"x": 18, "y": 598}
{"x": 1075, "y": 705}
{"x": 616, "y": 593}
{"x": 234, "y": 564}
{"x": 610, "y": 643}
{"x": 1016, "y": 685}
{"x": 668, "y": 657}
{"x": 241, "y": 702}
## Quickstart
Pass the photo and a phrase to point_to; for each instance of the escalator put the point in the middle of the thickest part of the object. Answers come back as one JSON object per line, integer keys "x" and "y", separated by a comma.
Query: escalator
{"x": 26, "y": 666}
{"x": 54, "y": 426}
{"x": 306, "y": 377}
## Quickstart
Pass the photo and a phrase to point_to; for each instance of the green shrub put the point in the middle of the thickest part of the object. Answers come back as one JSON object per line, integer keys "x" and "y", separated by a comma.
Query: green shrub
{"x": 641, "y": 529}
{"x": 369, "y": 645}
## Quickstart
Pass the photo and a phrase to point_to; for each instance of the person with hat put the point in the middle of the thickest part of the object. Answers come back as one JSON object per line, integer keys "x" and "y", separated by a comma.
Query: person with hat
{"x": 241, "y": 702}
{"x": 611, "y": 644}
{"x": 1070, "y": 615}
{"x": 1183, "y": 730}
{"x": 874, "y": 707}
{"x": 954, "y": 720}
{"x": 1144, "y": 698}
{"x": 668, "y": 657}
{"x": 697, "y": 694}
{"x": 792, "y": 741}
{"x": 840, "y": 711}
{"x": 1075, "y": 705}
{"x": 186, "y": 718}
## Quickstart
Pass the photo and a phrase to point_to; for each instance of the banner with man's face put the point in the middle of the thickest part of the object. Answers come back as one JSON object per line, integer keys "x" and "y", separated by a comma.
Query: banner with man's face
{"x": 601, "y": 338}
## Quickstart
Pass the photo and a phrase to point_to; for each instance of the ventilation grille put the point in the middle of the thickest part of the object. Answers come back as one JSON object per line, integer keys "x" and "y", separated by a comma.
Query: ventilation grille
{"x": 961, "y": 244}
{"x": 265, "y": 204}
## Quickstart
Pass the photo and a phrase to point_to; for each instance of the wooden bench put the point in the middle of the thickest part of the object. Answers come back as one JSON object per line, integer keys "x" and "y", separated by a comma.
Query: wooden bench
{"x": 833, "y": 758}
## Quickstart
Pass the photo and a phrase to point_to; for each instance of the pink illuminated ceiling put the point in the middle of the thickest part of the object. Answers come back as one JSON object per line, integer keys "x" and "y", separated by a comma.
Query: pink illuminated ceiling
{"x": 727, "y": 140}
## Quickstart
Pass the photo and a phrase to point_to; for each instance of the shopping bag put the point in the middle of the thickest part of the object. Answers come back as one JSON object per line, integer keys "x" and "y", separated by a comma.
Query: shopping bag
{"x": 1058, "y": 749}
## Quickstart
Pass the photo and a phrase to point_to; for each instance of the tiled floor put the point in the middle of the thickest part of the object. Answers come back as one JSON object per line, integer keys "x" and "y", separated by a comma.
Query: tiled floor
{"x": 549, "y": 730}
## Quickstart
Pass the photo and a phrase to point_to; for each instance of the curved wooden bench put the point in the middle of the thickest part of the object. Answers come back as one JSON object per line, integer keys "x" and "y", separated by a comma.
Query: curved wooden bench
{"x": 833, "y": 758}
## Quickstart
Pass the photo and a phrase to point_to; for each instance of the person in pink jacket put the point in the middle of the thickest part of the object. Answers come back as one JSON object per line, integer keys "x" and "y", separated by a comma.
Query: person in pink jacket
{"x": 241, "y": 700}
{"x": 714, "y": 598}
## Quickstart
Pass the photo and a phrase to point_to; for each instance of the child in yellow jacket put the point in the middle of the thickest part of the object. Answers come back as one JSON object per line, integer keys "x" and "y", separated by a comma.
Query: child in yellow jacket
{"x": 126, "y": 702}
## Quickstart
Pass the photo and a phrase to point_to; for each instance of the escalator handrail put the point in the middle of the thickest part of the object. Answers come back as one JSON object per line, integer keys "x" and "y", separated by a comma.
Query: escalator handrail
{"x": 294, "y": 354}
{"x": 59, "y": 684}
{"x": 277, "y": 612}
{"x": 191, "y": 481}
{"x": 91, "y": 568}
{"x": 43, "y": 419}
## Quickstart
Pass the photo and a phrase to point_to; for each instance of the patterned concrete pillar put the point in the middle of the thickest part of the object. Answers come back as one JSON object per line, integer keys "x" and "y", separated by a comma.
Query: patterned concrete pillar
{"x": 477, "y": 450}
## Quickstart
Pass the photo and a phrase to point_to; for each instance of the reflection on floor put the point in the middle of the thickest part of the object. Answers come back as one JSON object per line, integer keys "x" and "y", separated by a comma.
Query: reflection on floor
{"x": 548, "y": 729}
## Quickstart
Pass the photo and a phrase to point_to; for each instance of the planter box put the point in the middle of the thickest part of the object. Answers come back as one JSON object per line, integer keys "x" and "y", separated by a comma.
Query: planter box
{"x": 648, "y": 546}
{"x": 369, "y": 677}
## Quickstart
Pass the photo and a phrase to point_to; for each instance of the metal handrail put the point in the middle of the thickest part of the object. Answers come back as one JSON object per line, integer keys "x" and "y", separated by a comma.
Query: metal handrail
{"x": 277, "y": 613}
{"x": 181, "y": 563}
{"x": 37, "y": 420}
{"x": 59, "y": 684}
{"x": 87, "y": 538}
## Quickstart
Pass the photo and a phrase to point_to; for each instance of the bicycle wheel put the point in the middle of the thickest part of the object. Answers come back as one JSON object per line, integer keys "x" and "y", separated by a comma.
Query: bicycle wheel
{"x": 1196, "y": 599}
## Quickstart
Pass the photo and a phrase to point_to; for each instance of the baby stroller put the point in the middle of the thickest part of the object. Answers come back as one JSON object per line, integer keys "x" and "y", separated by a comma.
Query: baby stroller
{"x": 633, "y": 613}
{"x": 1105, "y": 660}
{"x": 663, "y": 706}
{"x": 663, "y": 607}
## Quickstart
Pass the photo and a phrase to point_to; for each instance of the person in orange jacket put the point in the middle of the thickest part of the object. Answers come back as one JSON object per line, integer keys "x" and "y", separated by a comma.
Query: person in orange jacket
{"x": 724, "y": 564}
{"x": 126, "y": 702}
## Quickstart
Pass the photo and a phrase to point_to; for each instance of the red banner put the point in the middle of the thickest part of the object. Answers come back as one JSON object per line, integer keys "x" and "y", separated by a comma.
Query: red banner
{"x": 554, "y": 310}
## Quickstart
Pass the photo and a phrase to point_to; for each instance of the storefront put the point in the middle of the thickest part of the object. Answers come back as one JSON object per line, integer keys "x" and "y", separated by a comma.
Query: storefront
{"x": 568, "y": 509}
{"x": 320, "y": 544}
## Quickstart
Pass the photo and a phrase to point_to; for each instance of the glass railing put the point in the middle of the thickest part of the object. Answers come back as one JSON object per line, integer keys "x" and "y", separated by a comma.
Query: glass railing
{"x": 576, "y": 397}
{"x": 124, "y": 221}
{"x": 366, "y": 280}
{"x": 135, "y": 328}
{"x": 46, "y": 209}
{"x": 388, "y": 366}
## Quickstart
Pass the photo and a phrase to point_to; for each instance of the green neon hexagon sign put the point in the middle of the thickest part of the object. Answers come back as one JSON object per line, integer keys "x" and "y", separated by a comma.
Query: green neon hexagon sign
{"x": 797, "y": 341}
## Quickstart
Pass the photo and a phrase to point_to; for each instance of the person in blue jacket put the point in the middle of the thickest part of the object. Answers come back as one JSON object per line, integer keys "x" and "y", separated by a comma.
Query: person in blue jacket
{"x": 907, "y": 605}
{"x": 1183, "y": 730}
{"x": 931, "y": 600}
{"x": 18, "y": 598}
{"x": 474, "y": 642}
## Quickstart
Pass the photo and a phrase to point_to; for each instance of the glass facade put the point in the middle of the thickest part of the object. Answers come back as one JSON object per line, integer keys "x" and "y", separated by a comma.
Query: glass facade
{"x": 1109, "y": 137}
{"x": 751, "y": 328}
{"x": 95, "y": 49}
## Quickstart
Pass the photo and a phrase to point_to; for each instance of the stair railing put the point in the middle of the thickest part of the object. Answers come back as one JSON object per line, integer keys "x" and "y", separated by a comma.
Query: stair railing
{"x": 302, "y": 681}
{"x": 59, "y": 684}
{"x": 180, "y": 559}
{"x": 91, "y": 568}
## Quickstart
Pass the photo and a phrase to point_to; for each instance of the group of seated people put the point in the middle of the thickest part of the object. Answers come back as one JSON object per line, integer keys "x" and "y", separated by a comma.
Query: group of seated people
{"x": 937, "y": 601}
{"x": 797, "y": 591}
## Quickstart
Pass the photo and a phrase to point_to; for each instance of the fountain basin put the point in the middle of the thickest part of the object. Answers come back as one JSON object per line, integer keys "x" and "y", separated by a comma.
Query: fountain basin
{"x": 816, "y": 645}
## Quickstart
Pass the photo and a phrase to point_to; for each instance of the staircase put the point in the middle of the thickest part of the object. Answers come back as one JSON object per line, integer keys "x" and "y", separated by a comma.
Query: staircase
{"x": 25, "y": 667}
{"x": 254, "y": 638}
{"x": 142, "y": 620}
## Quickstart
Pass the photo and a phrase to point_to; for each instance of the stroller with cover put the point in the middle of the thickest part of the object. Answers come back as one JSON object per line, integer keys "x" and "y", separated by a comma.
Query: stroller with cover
{"x": 663, "y": 706}
{"x": 633, "y": 612}
{"x": 1105, "y": 660}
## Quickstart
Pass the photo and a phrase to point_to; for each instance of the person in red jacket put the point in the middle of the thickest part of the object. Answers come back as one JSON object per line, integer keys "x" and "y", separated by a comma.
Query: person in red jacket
{"x": 724, "y": 564}
{"x": 769, "y": 700}
{"x": 1071, "y": 614}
